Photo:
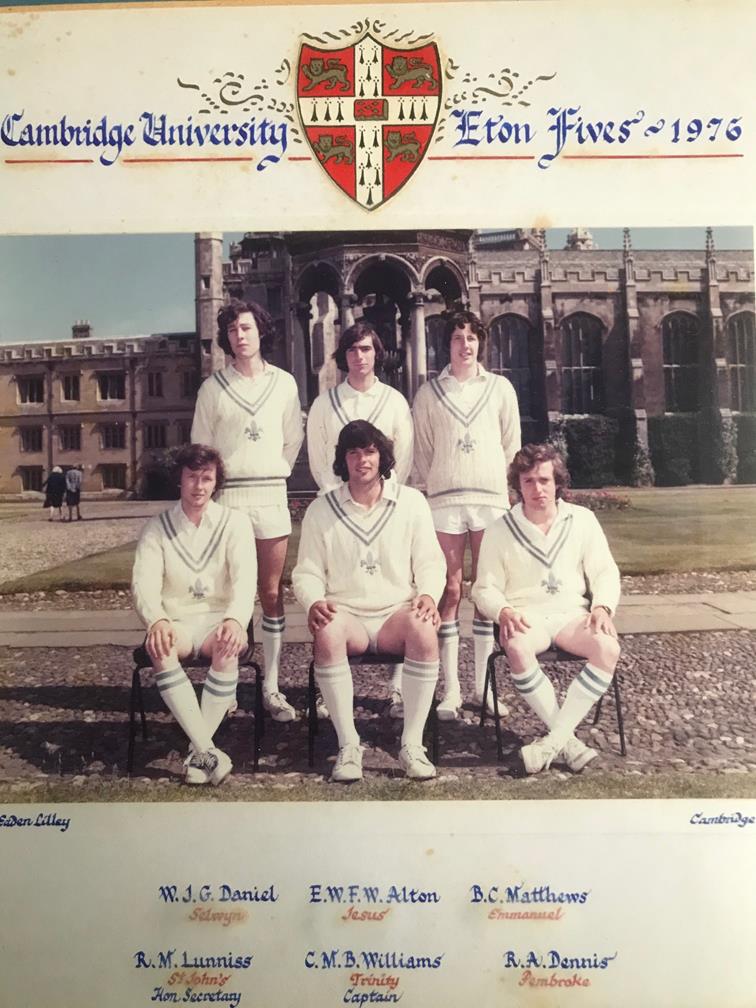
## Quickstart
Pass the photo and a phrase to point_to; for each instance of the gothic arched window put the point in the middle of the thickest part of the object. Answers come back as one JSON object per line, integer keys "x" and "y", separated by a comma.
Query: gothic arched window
{"x": 680, "y": 339}
{"x": 582, "y": 377}
{"x": 510, "y": 354}
{"x": 741, "y": 361}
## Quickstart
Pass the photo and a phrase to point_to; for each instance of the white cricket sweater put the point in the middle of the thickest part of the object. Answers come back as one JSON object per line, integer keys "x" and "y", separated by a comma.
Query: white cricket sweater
{"x": 570, "y": 568}
{"x": 381, "y": 405}
{"x": 182, "y": 570}
{"x": 368, "y": 561}
{"x": 256, "y": 425}
{"x": 466, "y": 434}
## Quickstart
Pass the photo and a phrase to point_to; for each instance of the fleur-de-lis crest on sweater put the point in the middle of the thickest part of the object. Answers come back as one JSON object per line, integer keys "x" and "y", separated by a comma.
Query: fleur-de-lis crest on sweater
{"x": 370, "y": 563}
{"x": 466, "y": 444}
{"x": 198, "y": 590}
{"x": 551, "y": 584}
{"x": 253, "y": 432}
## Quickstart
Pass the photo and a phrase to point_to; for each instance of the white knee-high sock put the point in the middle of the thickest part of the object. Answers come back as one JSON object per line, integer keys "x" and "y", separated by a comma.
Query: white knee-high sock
{"x": 218, "y": 692}
{"x": 588, "y": 686}
{"x": 335, "y": 682}
{"x": 537, "y": 690}
{"x": 272, "y": 639}
{"x": 448, "y": 644}
{"x": 181, "y": 700}
{"x": 483, "y": 645}
{"x": 418, "y": 685}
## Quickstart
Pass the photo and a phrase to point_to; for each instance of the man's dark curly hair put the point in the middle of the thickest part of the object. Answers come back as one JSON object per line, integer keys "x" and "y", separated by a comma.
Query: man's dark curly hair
{"x": 531, "y": 455}
{"x": 198, "y": 456}
{"x": 458, "y": 318}
{"x": 231, "y": 311}
{"x": 351, "y": 336}
{"x": 361, "y": 434}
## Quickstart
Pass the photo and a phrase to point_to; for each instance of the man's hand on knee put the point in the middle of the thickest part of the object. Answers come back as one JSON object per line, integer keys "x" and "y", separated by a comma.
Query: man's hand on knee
{"x": 230, "y": 639}
{"x": 161, "y": 640}
{"x": 320, "y": 615}
{"x": 510, "y": 623}
{"x": 424, "y": 608}
{"x": 599, "y": 620}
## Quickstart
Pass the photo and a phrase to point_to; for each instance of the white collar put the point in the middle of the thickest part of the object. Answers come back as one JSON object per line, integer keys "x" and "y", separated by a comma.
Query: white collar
{"x": 480, "y": 374}
{"x": 390, "y": 492}
{"x": 210, "y": 517}
{"x": 350, "y": 391}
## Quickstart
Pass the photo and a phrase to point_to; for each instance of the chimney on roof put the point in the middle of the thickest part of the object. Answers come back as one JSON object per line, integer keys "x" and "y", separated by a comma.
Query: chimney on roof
{"x": 81, "y": 330}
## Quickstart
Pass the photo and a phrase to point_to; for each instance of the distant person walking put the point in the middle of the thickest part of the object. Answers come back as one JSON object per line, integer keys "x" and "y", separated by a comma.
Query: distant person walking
{"x": 55, "y": 487}
{"x": 73, "y": 491}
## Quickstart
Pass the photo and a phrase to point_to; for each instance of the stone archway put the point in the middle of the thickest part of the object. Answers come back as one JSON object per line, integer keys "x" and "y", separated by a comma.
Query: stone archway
{"x": 382, "y": 287}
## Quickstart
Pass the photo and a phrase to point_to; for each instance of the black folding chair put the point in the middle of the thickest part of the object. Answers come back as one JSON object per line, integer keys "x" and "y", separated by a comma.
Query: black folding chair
{"x": 136, "y": 702}
{"x": 552, "y": 655}
{"x": 359, "y": 661}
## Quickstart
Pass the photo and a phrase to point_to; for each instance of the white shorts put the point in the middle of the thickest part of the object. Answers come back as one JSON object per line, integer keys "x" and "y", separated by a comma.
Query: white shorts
{"x": 551, "y": 624}
{"x": 374, "y": 624}
{"x": 200, "y": 628}
{"x": 269, "y": 521}
{"x": 456, "y": 519}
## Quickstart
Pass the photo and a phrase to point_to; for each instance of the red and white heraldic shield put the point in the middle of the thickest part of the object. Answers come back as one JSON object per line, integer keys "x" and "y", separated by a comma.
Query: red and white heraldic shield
{"x": 369, "y": 112}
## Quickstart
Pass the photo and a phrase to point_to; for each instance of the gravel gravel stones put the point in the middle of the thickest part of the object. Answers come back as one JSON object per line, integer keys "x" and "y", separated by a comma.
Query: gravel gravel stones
{"x": 689, "y": 702}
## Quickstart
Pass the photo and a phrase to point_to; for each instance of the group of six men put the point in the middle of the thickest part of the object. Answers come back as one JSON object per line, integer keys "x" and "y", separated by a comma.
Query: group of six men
{"x": 380, "y": 562}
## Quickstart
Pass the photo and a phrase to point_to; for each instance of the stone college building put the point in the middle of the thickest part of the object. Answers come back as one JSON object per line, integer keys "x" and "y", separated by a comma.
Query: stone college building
{"x": 641, "y": 364}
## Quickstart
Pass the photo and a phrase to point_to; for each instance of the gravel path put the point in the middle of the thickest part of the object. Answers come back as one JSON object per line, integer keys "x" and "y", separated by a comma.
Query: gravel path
{"x": 689, "y": 699}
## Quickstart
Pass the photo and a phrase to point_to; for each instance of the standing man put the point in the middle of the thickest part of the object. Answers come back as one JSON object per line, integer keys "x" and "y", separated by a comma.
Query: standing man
{"x": 547, "y": 576}
{"x": 73, "y": 491}
{"x": 467, "y": 430}
{"x": 193, "y": 585}
{"x": 368, "y": 575}
{"x": 361, "y": 396}
{"x": 250, "y": 413}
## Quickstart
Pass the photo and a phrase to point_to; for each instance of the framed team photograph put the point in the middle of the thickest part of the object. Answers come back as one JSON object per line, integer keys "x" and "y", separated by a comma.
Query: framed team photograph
{"x": 377, "y": 465}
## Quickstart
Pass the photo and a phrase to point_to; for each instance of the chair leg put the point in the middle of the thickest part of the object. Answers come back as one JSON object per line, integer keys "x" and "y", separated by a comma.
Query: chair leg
{"x": 490, "y": 680}
{"x": 597, "y": 715}
{"x": 431, "y": 726}
{"x": 312, "y": 715}
{"x": 620, "y": 719}
{"x": 259, "y": 707}
{"x": 132, "y": 720}
{"x": 259, "y": 728}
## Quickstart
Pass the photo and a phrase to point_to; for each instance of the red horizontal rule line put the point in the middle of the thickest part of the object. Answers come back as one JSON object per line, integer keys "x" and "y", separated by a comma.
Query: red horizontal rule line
{"x": 48, "y": 161}
{"x": 578, "y": 157}
{"x": 483, "y": 157}
{"x": 185, "y": 160}
{"x": 642, "y": 157}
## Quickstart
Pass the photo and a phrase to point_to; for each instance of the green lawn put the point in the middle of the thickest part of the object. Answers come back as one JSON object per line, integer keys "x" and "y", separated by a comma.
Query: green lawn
{"x": 662, "y": 530}
{"x": 594, "y": 785}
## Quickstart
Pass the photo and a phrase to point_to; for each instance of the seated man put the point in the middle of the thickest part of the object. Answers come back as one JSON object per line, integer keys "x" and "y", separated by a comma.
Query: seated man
{"x": 193, "y": 584}
{"x": 369, "y": 574}
{"x": 546, "y": 575}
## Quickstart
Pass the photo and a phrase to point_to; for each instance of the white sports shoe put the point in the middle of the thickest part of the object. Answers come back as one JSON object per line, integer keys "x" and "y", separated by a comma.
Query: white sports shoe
{"x": 576, "y": 754}
{"x": 348, "y": 765}
{"x": 321, "y": 711}
{"x": 210, "y": 767}
{"x": 478, "y": 702}
{"x": 538, "y": 755}
{"x": 449, "y": 708}
{"x": 278, "y": 707}
{"x": 396, "y": 704}
{"x": 415, "y": 763}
